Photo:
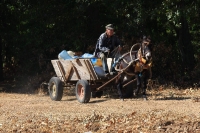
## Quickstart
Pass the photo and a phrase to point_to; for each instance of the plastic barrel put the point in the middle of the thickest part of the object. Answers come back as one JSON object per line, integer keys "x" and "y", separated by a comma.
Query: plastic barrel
{"x": 96, "y": 62}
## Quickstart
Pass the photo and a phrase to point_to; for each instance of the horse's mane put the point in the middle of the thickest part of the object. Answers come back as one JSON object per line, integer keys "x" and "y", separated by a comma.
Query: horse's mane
{"x": 135, "y": 48}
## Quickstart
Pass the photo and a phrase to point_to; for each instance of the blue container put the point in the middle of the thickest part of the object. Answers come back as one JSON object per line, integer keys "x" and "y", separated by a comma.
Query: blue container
{"x": 87, "y": 55}
{"x": 96, "y": 61}
{"x": 64, "y": 55}
{"x": 93, "y": 60}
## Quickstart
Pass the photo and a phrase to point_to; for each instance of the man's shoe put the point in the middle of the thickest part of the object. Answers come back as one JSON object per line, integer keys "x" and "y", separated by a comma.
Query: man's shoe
{"x": 107, "y": 74}
{"x": 113, "y": 72}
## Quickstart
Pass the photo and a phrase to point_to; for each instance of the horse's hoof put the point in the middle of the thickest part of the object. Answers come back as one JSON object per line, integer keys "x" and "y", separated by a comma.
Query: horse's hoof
{"x": 135, "y": 94}
{"x": 145, "y": 98}
{"x": 122, "y": 99}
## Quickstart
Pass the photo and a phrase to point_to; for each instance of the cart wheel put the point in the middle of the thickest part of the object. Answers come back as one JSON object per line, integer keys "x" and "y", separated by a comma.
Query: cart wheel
{"x": 97, "y": 94}
{"x": 83, "y": 92}
{"x": 55, "y": 89}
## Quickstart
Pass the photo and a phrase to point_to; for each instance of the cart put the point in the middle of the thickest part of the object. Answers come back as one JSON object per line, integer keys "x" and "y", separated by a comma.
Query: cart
{"x": 82, "y": 73}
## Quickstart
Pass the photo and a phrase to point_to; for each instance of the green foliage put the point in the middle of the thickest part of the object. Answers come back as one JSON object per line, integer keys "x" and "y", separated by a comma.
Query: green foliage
{"x": 32, "y": 32}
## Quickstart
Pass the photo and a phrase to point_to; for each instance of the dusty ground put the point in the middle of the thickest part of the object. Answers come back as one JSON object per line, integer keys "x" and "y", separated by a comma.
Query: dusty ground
{"x": 167, "y": 110}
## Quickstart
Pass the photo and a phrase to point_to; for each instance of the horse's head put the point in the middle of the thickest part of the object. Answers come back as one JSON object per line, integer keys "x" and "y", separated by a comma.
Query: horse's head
{"x": 144, "y": 48}
{"x": 144, "y": 52}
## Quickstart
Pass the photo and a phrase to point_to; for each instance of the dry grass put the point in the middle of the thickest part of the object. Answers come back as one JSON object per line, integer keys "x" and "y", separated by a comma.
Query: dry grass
{"x": 167, "y": 110}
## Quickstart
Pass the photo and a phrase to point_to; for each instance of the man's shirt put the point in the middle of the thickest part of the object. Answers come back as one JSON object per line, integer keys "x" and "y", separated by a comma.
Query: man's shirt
{"x": 105, "y": 44}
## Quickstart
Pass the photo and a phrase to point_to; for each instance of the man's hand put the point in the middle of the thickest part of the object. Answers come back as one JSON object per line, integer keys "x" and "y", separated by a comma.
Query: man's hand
{"x": 107, "y": 51}
{"x": 120, "y": 48}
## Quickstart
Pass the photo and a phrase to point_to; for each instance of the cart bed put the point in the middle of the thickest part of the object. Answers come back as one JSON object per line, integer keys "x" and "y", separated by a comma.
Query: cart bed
{"x": 74, "y": 69}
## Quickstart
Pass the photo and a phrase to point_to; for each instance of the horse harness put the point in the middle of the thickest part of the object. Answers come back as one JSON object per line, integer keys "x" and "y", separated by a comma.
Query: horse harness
{"x": 140, "y": 62}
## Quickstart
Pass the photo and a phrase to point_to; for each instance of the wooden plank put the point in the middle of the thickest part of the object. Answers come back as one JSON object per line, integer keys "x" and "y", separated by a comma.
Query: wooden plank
{"x": 76, "y": 72}
{"x": 109, "y": 81}
{"x": 68, "y": 71}
{"x": 89, "y": 70}
{"x": 67, "y": 64}
{"x": 129, "y": 82}
{"x": 92, "y": 69}
{"x": 61, "y": 70}
{"x": 81, "y": 69}
{"x": 56, "y": 69}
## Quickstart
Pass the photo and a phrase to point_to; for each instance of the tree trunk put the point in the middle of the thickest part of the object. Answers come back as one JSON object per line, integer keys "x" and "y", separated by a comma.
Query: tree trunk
{"x": 1, "y": 61}
{"x": 186, "y": 48}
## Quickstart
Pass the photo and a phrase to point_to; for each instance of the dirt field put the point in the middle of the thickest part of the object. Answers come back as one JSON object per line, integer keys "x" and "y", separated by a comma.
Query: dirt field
{"x": 166, "y": 110}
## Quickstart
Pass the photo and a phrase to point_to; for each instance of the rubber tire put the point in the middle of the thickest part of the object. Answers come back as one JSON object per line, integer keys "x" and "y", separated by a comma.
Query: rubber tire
{"x": 55, "y": 93}
{"x": 83, "y": 87}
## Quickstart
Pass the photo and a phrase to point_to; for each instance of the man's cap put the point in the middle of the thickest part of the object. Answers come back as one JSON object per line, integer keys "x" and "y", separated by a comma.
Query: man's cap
{"x": 109, "y": 26}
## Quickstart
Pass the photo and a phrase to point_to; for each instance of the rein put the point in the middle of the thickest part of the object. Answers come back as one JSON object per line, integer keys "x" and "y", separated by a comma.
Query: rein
{"x": 128, "y": 63}
{"x": 115, "y": 51}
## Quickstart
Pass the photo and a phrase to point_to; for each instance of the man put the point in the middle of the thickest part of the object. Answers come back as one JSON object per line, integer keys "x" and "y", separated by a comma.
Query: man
{"x": 106, "y": 43}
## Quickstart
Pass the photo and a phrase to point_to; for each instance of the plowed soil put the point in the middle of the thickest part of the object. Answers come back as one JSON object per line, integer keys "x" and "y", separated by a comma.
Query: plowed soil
{"x": 167, "y": 110}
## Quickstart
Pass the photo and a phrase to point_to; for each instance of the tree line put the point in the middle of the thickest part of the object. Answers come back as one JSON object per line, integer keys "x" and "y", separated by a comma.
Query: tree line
{"x": 34, "y": 31}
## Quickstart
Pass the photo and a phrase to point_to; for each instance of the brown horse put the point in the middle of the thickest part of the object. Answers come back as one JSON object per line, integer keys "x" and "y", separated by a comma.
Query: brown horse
{"x": 138, "y": 68}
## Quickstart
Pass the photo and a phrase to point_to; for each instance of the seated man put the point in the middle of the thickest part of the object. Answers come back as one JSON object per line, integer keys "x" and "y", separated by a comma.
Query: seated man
{"x": 106, "y": 43}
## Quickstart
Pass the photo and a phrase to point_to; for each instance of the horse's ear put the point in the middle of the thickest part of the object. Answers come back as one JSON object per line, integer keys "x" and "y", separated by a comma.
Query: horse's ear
{"x": 146, "y": 37}
{"x": 149, "y": 37}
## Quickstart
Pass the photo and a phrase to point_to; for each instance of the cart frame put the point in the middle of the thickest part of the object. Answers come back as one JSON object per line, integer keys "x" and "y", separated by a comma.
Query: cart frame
{"x": 82, "y": 72}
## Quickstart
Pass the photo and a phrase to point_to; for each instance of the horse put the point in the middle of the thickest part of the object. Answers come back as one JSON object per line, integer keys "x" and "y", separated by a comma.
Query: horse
{"x": 137, "y": 67}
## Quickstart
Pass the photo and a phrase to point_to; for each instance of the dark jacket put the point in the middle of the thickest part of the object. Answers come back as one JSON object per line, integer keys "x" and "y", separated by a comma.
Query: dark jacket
{"x": 105, "y": 44}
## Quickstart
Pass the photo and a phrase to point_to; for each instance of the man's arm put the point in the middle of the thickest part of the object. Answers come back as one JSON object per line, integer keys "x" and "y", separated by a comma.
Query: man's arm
{"x": 102, "y": 48}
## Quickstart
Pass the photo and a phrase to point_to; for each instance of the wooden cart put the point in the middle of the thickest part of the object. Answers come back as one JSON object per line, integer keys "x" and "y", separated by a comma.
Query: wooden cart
{"x": 82, "y": 73}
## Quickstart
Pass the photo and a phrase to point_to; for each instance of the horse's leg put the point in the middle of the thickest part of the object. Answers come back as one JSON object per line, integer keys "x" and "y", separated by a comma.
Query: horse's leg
{"x": 129, "y": 87}
{"x": 138, "y": 77}
{"x": 120, "y": 87}
{"x": 144, "y": 84}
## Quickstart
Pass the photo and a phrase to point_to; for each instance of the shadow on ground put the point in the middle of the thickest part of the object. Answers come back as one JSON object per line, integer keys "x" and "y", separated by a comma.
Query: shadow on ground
{"x": 173, "y": 98}
{"x": 97, "y": 101}
{"x": 14, "y": 87}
